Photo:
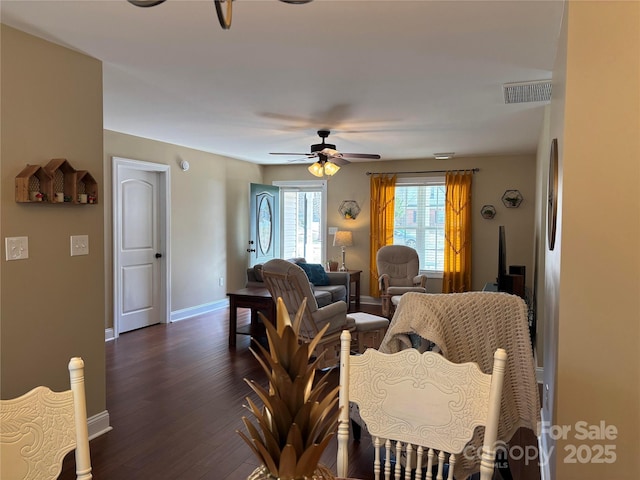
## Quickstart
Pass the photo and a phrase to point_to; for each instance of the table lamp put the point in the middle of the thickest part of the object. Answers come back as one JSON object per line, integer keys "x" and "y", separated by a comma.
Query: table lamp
{"x": 343, "y": 238}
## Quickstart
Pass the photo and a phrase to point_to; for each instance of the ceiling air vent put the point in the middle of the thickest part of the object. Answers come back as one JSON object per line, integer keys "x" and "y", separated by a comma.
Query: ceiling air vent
{"x": 522, "y": 92}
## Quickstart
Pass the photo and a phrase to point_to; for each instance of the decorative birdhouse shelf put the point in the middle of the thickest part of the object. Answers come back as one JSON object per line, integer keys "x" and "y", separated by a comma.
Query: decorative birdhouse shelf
{"x": 57, "y": 182}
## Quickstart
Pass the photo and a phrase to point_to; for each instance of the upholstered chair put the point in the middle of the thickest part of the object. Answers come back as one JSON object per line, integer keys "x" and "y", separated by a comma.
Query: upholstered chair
{"x": 290, "y": 282}
{"x": 398, "y": 273}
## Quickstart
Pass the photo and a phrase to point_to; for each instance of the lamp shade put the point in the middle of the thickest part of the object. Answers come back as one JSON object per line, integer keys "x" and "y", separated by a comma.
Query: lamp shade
{"x": 343, "y": 238}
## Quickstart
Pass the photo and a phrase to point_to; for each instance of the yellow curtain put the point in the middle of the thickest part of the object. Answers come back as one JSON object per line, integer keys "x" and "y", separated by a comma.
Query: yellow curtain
{"x": 457, "y": 233}
{"x": 383, "y": 188}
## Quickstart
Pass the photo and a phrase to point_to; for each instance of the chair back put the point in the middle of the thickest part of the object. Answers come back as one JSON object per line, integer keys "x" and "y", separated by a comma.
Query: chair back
{"x": 290, "y": 282}
{"x": 400, "y": 263}
{"x": 40, "y": 427}
{"x": 420, "y": 409}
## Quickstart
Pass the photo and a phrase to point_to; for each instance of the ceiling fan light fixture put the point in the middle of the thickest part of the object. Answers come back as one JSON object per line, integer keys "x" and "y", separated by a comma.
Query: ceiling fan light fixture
{"x": 323, "y": 168}
{"x": 316, "y": 169}
{"x": 330, "y": 168}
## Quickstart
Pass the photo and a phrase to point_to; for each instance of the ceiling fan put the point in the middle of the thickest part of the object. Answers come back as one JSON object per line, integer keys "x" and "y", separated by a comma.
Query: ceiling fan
{"x": 329, "y": 159}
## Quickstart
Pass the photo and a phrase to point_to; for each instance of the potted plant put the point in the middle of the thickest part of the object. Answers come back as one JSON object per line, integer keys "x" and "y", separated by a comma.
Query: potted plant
{"x": 298, "y": 419}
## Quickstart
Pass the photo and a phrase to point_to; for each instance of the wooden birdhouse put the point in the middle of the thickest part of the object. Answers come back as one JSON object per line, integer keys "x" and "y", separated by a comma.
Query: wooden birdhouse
{"x": 64, "y": 178}
{"x": 33, "y": 184}
{"x": 86, "y": 185}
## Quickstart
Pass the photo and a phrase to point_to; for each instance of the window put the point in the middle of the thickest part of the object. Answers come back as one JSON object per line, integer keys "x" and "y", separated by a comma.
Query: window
{"x": 419, "y": 219}
{"x": 303, "y": 208}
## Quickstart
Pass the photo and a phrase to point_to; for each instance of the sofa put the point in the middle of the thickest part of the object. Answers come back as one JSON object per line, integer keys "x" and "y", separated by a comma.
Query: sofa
{"x": 336, "y": 289}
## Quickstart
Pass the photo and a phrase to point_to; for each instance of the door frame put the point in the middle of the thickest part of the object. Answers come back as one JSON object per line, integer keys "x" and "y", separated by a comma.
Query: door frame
{"x": 304, "y": 184}
{"x": 164, "y": 215}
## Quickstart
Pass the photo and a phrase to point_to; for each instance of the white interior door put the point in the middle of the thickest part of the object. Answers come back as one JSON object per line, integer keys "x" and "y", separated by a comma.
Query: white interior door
{"x": 140, "y": 249}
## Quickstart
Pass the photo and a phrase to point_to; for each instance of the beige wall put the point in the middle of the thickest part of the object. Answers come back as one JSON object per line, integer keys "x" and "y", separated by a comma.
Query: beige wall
{"x": 52, "y": 304}
{"x": 592, "y": 359}
{"x": 539, "y": 235}
{"x": 496, "y": 175}
{"x": 209, "y": 212}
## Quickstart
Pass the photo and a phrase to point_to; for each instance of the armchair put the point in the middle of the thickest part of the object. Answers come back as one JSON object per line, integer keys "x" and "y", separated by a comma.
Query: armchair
{"x": 398, "y": 273}
{"x": 290, "y": 282}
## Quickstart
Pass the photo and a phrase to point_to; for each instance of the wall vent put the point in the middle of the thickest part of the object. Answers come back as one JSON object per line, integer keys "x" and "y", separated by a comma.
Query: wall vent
{"x": 522, "y": 92}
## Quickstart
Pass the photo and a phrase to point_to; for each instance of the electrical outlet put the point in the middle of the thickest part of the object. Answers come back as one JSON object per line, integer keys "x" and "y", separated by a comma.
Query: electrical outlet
{"x": 16, "y": 248}
{"x": 79, "y": 245}
{"x": 333, "y": 230}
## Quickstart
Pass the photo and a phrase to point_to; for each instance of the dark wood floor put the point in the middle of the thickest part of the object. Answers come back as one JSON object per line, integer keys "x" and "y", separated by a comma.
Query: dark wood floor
{"x": 175, "y": 396}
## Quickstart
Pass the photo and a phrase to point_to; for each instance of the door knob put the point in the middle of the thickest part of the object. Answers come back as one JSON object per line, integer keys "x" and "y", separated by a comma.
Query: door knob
{"x": 158, "y": 255}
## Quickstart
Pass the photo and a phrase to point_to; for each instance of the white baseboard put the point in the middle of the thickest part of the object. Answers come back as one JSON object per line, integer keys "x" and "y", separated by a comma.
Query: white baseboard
{"x": 198, "y": 310}
{"x": 98, "y": 424}
{"x": 182, "y": 314}
{"x": 109, "y": 334}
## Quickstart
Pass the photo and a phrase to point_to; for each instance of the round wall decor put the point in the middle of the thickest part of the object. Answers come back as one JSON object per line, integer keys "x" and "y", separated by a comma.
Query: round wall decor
{"x": 488, "y": 211}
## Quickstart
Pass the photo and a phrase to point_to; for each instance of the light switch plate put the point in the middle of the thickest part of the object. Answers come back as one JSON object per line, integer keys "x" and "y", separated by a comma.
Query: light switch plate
{"x": 79, "y": 245}
{"x": 16, "y": 248}
{"x": 333, "y": 230}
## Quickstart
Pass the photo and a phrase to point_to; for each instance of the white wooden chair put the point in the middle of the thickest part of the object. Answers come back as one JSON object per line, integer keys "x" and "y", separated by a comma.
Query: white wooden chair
{"x": 40, "y": 427}
{"x": 421, "y": 409}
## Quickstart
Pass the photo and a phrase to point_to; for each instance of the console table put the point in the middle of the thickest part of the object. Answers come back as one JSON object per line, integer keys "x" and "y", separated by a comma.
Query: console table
{"x": 256, "y": 299}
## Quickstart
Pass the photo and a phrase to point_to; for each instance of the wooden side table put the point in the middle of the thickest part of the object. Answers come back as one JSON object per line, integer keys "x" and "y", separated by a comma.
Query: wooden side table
{"x": 354, "y": 294}
{"x": 256, "y": 299}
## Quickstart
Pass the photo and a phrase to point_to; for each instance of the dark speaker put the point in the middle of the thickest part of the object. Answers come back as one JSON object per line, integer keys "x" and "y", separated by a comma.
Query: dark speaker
{"x": 518, "y": 270}
{"x": 514, "y": 284}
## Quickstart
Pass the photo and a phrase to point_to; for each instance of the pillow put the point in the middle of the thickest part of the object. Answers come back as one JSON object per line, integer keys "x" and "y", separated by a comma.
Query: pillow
{"x": 257, "y": 271}
{"x": 315, "y": 272}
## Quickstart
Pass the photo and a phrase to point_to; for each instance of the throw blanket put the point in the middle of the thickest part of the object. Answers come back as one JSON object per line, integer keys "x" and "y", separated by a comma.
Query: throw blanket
{"x": 470, "y": 327}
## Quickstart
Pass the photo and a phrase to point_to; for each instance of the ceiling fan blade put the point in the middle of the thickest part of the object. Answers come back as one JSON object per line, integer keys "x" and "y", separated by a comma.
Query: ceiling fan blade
{"x": 371, "y": 156}
{"x": 339, "y": 161}
{"x": 298, "y": 154}
{"x": 299, "y": 159}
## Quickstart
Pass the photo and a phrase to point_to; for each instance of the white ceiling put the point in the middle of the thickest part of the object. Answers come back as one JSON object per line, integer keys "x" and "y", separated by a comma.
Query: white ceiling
{"x": 401, "y": 78}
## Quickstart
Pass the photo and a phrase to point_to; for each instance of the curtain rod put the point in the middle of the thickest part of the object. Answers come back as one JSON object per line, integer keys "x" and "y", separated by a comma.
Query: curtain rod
{"x": 473, "y": 170}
